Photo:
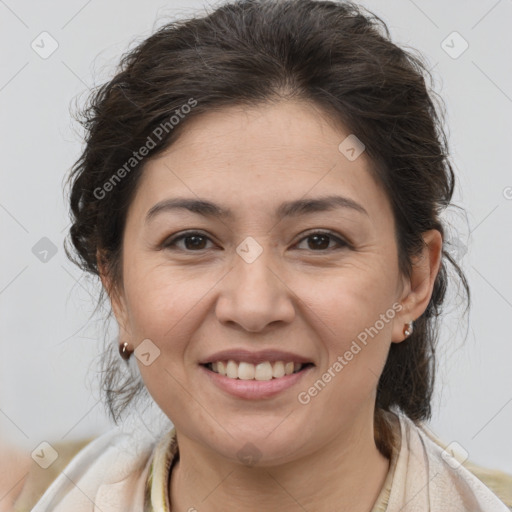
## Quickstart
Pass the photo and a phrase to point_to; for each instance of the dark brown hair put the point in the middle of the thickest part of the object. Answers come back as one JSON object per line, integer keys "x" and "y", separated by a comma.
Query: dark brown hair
{"x": 335, "y": 55}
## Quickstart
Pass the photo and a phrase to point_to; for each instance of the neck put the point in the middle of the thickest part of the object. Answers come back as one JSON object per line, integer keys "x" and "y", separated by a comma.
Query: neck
{"x": 347, "y": 473}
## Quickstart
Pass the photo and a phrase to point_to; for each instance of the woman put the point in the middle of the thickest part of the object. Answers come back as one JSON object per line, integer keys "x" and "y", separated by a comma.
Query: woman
{"x": 260, "y": 195}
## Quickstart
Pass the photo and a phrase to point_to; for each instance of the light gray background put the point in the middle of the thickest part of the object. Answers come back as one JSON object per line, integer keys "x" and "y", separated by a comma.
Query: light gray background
{"x": 48, "y": 343}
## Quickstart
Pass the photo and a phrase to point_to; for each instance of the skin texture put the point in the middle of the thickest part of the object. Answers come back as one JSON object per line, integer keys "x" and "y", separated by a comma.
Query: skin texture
{"x": 298, "y": 296}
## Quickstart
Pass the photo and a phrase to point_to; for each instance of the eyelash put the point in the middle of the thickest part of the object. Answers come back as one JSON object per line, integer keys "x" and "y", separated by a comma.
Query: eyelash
{"x": 170, "y": 242}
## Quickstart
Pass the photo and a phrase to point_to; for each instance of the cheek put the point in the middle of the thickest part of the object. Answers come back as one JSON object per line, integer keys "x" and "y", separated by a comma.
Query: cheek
{"x": 355, "y": 341}
{"x": 360, "y": 333}
{"x": 162, "y": 310}
{"x": 353, "y": 315}
{"x": 351, "y": 298}
{"x": 158, "y": 300}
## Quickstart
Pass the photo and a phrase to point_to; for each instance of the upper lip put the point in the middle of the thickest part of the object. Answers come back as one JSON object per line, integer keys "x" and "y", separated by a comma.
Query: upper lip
{"x": 254, "y": 357}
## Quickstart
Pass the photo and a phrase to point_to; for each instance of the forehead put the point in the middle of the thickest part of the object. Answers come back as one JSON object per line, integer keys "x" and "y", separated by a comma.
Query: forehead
{"x": 260, "y": 156}
{"x": 286, "y": 132}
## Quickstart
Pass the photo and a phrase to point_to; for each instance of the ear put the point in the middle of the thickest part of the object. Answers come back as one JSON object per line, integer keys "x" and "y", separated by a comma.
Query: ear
{"x": 418, "y": 288}
{"x": 116, "y": 297}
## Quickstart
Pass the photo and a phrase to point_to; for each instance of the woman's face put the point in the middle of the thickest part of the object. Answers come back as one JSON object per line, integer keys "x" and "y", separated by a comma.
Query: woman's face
{"x": 285, "y": 278}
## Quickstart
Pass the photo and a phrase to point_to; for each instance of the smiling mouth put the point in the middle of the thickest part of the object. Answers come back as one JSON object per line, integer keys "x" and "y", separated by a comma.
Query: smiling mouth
{"x": 261, "y": 371}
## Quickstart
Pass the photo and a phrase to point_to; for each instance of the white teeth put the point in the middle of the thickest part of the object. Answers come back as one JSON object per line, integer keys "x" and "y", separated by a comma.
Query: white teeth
{"x": 261, "y": 371}
{"x": 278, "y": 369}
{"x": 232, "y": 370}
{"x": 221, "y": 367}
{"x": 246, "y": 371}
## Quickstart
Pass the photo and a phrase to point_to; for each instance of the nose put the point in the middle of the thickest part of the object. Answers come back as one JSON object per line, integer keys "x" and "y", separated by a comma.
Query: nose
{"x": 255, "y": 295}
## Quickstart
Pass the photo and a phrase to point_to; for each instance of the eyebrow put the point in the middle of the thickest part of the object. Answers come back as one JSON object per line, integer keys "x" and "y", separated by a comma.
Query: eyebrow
{"x": 287, "y": 209}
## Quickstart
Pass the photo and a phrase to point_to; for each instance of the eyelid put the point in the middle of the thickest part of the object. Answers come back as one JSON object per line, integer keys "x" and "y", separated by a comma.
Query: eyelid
{"x": 173, "y": 239}
{"x": 340, "y": 240}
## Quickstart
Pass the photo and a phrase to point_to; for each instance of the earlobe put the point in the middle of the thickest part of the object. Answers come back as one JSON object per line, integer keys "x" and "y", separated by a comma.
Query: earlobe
{"x": 402, "y": 329}
{"x": 425, "y": 268}
{"x": 408, "y": 329}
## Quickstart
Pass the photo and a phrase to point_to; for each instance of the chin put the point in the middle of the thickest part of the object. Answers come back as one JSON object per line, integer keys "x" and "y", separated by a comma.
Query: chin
{"x": 261, "y": 443}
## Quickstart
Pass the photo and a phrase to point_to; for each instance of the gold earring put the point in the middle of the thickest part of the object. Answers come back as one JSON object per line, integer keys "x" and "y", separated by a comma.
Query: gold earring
{"x": 408, "y": 329}
{"x": 124, "y": 351}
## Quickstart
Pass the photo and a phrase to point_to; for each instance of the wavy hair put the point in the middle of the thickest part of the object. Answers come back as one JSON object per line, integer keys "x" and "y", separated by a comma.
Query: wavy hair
{"x": 336, "y": 55}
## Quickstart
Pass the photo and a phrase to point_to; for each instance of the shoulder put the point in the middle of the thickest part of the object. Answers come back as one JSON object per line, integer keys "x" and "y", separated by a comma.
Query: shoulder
{"x": 115, "y": 461}
{"x": 498, "y": 481}
{"x": 39, "y": 479}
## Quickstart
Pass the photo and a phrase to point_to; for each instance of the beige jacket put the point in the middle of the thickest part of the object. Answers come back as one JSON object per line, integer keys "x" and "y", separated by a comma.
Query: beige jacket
{"x": 127, "y": 472}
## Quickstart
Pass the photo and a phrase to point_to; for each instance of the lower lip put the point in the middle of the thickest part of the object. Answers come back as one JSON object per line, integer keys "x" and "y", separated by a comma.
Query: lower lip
{"x": 254, "y": 389}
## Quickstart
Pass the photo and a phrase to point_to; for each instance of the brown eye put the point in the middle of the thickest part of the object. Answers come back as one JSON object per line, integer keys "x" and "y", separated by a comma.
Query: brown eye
{"x": 193, "y": 241}
{"x": 320, "y": 241}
